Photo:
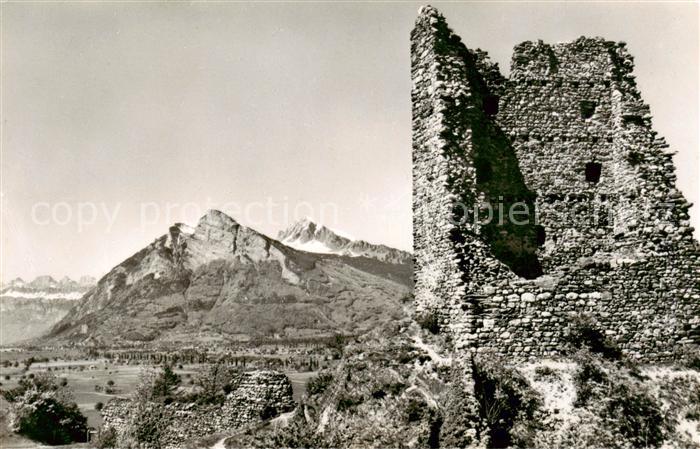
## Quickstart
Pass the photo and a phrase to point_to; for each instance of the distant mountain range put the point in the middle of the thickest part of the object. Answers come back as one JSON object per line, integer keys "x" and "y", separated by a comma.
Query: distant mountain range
{"x": 46, "y": 287}
{"x": 306, "y": 235}
{"x": 221, "y": 281}
{"x": 29, "y": 309}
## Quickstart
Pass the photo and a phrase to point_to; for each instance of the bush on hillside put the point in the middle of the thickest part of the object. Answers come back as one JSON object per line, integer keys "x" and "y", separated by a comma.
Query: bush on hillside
{"x": 338, "y": 343}
{"x": 46, "y": 418}
{"x": 215, "y": 383}
{"x": 319, "y": 384}
{"x": 44, "y": 411}
{"x": 348, "y": 403}
{"x": 688, "y": 356}
{"x": 507, "y": 403}
{"x": 621, "y": 401}
{"x": 545, "y": 372}
{"x": 296, "y": 434}
{"x": 41, "y": 382}
{"x": 415, "y": 410}
{"x": 147, "y": 425}
{"x": 165, "y": 383}
{"x": 429, "y": 321}
{"x": 148, "y": 418}
{"x": 588, "y": 379}
{"x": 391, "y": 388}
{"x": 636, "y": 415}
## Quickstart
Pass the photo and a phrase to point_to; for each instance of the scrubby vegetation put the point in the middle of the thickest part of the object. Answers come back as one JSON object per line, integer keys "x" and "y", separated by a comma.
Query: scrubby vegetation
{"x": 390, "y": 391}
{"x": 348, "y": 402}
{"x": 149, "y": 418}
{"x": 596, "y": 402}
{"x": 507, "y": 403}
{"x": 689, "y": 356}
{"x": 429, "y": 321}
{"x": 165, "y": 383}
{"x": 545, "y": 372}
{"x": 156, "y": 405}
{"x": 620, "y": 399}
{"x": 318, "y": 384}
{"x": 460, "y": 415}
{"x": 583, "y": 333}
{"x": 43, "y": 410}
{"x": 213, "y": 385}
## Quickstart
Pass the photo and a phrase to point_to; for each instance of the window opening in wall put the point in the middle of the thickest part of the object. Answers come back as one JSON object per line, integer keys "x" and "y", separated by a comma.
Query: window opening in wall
{"x": 541, "y": 235}
{"x": 634, "y": 158}
{"x": 587, "y": 109}
{"x": 490, "y": 104}
{"x": 633, "y": 120}
{"x": 593, "y": 170}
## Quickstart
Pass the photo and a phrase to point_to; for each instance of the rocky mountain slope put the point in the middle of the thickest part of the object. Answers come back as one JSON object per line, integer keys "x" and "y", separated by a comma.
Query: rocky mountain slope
{"x": 221, "y": 281}
{"x": 28, "y": 309}
{"x": 306, "y": 235}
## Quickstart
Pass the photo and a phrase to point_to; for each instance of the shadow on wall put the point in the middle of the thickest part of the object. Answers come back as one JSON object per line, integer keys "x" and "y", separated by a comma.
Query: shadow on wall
{"x": 508, "y": 215}
{"x": 512, "y": 233}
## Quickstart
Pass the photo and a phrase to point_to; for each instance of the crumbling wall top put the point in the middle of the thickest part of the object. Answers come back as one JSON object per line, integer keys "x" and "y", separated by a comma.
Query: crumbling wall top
{"x": 583, "y": 58}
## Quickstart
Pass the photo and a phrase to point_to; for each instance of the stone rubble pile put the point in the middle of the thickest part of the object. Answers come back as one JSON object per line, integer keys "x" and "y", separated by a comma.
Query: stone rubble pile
{"x": 259, "y": 395}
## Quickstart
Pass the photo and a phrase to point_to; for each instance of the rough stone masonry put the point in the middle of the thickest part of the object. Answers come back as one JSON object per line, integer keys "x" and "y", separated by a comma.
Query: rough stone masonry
{"x": 597, "y": 226}
{"x": 257, "y": 393}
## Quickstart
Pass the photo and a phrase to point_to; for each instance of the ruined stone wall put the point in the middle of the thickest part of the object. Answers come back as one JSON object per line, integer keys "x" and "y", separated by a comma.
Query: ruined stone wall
{"x": 452, "y": 254}
{"x": 257, "y": 392}
{"x": 530, "y": 319}
{"x": 439, "y": 262}
{"x": 614, "y": 245}
{"x": 542, "y": 110}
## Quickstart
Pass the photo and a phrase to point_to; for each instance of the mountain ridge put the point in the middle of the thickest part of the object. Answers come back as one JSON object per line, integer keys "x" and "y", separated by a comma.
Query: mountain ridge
{"x": 223, "y": 281}
{"x": 306, "y": 235}
{"x": 49, "y": 282}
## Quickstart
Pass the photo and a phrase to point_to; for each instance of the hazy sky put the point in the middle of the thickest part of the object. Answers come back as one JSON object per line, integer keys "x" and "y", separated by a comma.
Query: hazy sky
{"x": 136, "y": 115}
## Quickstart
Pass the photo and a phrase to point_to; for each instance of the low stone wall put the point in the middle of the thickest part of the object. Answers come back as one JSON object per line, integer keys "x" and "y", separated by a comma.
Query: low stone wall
{"x": 258, "y": 393}
{"x": 648, "y": 308}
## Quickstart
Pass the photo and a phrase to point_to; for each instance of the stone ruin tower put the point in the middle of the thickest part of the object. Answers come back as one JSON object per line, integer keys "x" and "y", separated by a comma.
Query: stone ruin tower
{"x": 565, "y": 143}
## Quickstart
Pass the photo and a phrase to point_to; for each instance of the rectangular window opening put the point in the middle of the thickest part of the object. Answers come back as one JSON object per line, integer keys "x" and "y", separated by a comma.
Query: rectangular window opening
{"x": 593, "y": 170}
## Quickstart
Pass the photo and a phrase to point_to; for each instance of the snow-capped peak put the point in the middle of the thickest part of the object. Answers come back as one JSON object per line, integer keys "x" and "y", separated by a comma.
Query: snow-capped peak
{"x": 306, "y": 235}
{"x": 17, "y": 282}
{"x": 46, "y": 287}
{"x": 302, "y": 231}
